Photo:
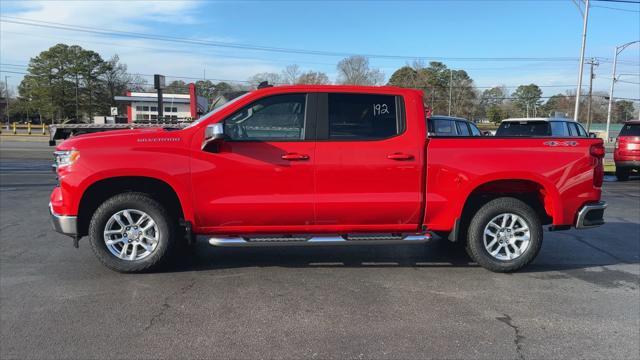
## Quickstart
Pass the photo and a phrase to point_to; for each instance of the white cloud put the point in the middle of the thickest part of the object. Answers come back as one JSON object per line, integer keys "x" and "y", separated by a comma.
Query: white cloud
{"x": 19, "y": 43}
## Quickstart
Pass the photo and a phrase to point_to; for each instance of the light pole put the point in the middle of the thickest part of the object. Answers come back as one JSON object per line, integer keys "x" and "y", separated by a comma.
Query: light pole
{"x": 585, "y": 18}
{"x": 618, "y": 50}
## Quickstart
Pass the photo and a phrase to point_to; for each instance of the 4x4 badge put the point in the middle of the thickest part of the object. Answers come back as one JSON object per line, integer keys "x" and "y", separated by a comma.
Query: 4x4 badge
{"x": 561, "y": 143}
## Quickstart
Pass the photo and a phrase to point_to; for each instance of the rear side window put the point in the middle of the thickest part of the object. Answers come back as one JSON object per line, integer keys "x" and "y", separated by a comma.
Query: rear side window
{"x": 630, "y": 130}
{"x": 573, "y": 129}
{"x": 528, "y": 128}
{"x": 463, "y": 129}
{"x": 363, "y": 116}
{"x": 441, "y": 127}
{"x": 559, "y": 128}
{"x": 581, "y": 130}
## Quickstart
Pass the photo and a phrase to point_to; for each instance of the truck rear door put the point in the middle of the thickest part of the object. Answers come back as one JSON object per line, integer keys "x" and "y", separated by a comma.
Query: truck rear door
{"x": 369, "y": 162}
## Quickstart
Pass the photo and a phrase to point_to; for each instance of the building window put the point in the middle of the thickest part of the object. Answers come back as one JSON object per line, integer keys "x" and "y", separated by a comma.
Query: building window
{"x": 174, "y": 109}
{"x": 154, "y": 117}
{"x": 146, "y": 116}
{"x": 145, "y": 108}
{"x": 138, "y": 108}
{"x": 138, "y": 116}
{"x": 167, "y": 109}
{"x": 154, "y": 108}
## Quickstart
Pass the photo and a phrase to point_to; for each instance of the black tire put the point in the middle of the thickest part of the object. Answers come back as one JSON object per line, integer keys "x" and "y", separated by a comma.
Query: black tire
{"x": 622, "y": 174}
{"x": 475, "y": 237}
{"x": 138, "y": 201}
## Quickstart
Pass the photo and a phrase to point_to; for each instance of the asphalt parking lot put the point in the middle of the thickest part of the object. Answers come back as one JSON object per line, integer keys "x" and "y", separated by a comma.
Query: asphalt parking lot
{"x": 579, "y": 299}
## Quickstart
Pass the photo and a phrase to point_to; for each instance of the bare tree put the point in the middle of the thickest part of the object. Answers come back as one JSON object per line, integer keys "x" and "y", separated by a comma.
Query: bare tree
{"x": 291, "y": 74}
{"x": 355, "y": 70}
{"x": 272, "y": 78}
{"x": 313, "y": 77}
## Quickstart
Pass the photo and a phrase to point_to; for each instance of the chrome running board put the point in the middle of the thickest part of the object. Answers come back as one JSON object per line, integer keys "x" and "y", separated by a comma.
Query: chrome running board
{"x": 298, "y": 240}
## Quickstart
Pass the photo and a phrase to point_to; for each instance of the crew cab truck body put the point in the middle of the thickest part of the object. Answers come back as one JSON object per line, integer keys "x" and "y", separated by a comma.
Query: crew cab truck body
{"x": 321, "y": 165}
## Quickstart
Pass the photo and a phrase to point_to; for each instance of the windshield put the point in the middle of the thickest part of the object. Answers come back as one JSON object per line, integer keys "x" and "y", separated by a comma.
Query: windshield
{"x": 223, "y": 106}
{"x": 630, "y": 130}
{"x": 529, "y": 128}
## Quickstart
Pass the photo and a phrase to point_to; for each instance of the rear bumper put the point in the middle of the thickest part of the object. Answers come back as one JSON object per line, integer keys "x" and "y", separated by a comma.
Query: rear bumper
{"x": 591, "y": 215}
{"x": 628, "y": 164}
{"x": 67, "y": 225}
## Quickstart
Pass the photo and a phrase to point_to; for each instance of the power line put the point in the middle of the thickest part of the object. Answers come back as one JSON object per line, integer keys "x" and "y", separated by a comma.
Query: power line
{"x": 101, "y": 31}
{"x": 615, "y": 8}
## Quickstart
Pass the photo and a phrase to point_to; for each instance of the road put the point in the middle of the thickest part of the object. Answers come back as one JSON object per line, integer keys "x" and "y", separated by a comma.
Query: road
{"x": 579, "y": 299}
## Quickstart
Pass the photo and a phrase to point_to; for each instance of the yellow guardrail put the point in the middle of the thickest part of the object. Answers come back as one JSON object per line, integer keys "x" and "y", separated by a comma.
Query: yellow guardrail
{"x": 24, "y": 129}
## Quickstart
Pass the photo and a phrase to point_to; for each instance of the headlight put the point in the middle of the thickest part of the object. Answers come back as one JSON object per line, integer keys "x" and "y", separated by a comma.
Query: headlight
{"x": 66, "y": 157}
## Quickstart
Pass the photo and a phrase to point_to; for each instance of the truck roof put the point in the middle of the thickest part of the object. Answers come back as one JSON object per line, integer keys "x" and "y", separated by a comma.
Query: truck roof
{"x": 337, "y": 88}
{"x": 535, "y": 119}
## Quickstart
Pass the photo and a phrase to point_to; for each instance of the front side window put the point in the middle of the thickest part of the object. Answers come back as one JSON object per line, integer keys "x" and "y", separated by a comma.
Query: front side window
{"x": 474, "y": 130}
{"x": 363, "y": 117}
{"x": 279, "y": 117}
{"x": 463, "y": 129}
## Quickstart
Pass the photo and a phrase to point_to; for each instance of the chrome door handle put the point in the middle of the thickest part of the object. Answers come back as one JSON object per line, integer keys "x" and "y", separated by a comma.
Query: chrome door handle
{"x": 295, "y": 157}
{"x": 400, "y": 156}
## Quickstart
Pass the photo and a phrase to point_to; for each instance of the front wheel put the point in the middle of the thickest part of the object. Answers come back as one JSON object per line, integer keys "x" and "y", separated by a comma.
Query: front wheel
{"x": 504, "y": 235}
{"x": 131, "y": 232}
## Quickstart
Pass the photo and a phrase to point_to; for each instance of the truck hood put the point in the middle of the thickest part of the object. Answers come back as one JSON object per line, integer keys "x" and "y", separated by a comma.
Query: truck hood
{"x": 116, "y": 137}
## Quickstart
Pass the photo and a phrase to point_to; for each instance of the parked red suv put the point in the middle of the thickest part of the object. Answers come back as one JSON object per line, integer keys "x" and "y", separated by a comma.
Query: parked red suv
{"x": 627, "y": 150}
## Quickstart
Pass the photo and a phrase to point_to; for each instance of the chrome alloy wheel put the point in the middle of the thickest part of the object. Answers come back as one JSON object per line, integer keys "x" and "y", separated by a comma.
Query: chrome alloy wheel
{"x": 131, "y": 234}
{"x": 506, "y": 237}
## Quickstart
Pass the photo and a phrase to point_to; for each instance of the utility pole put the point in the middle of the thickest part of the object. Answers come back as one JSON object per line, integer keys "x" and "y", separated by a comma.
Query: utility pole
{"x": 617, "y": 51}
{"x": 6, "y": 90}
{"x": 585, "y": 18}
{"x": 450, "y": 88}
{"x": 593, "y": 62}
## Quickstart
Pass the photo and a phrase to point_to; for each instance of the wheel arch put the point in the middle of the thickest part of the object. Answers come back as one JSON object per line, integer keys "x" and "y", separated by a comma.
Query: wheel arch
{"x": 101, "y": 190}
{"x": 542, "y": 197}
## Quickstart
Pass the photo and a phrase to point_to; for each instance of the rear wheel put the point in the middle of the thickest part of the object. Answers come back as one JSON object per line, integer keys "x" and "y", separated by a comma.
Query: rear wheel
{"x": 504, "y": 235}
{"x": 622, "y": 174}
{"x": 132, "y": 232}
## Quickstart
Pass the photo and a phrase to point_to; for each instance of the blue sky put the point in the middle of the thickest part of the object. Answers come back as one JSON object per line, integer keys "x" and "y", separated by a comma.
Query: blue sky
{"x": 429, "y": 29}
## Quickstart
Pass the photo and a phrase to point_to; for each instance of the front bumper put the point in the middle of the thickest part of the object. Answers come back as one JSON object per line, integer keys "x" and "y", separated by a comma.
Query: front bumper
{"x": 67, "y": 225}
{"x": 591, "y": 215}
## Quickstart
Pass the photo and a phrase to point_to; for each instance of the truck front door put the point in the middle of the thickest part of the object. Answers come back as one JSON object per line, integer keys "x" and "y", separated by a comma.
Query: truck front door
{"x": 261, "y": 179}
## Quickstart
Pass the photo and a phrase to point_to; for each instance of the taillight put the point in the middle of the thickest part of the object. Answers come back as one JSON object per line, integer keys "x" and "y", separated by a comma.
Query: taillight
{"x": 597, "y": 150}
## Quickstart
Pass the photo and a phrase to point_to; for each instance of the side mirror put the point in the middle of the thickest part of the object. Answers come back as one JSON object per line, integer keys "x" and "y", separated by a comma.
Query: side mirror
{"x": 213, "y": 135}
{"x": 593, "y": 135}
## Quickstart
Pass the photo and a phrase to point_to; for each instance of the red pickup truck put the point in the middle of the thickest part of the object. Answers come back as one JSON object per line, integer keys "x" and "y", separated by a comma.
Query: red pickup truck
{"x": 305, "y": 165}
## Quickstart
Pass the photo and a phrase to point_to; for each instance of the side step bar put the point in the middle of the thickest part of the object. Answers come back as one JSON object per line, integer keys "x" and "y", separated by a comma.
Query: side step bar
{"x": 353, "y": 239}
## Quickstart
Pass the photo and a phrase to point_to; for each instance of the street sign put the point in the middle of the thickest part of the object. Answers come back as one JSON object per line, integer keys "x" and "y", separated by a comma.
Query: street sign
{"x": 114, "y": 111}
{"x": 158, "y": 81}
